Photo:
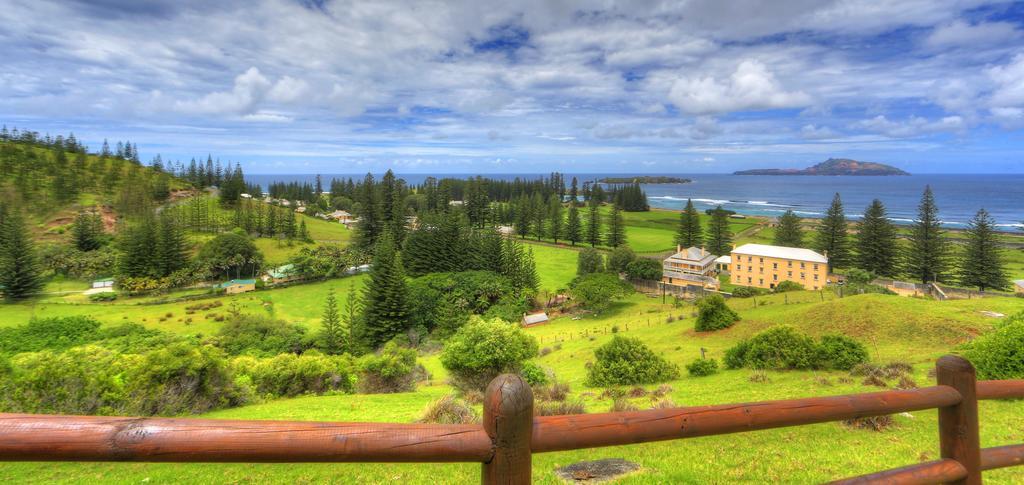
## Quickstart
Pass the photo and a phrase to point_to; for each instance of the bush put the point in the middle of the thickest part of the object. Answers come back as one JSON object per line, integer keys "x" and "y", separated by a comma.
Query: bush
{"x": 789, "y": 286}
{"x": 627, "y": 361}
{"x": 736, "y": 356}
{"x": 998, "y": 354}
{"x": 101, "y": 297}
{"x": 747, "y": 291}
{"x": 644, "y": 269}
{"x": 840, "y": 352}
{"x": 783, "y": 347}
{"x": 56, "y": 333}
{"x": 702, "y": 367}
{"x": 482, "y": 349}
{"x": 444, "y": 301}
{"x": 622, "y": 405}
{"x": 390, "y": 370}
{"x": 288, "y": 375}
{"x": 180, "y": 379}
{"x": 713, "y": 314}
{"x": 597, "y": 291}
{"x": 589, "y": 261}
{"x": 780, "y": 348}
{"x": 262, "y": 336}
{"x": 620, "y": 258}
{"x": 559, "y": 408}
{"x": 449, "y": 410}
{"x": 534, "y": 374}
{"x": 556, "y": 391}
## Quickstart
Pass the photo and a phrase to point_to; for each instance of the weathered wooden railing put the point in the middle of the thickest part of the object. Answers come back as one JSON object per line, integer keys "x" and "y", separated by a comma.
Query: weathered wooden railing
{"x": 510, "y": 433}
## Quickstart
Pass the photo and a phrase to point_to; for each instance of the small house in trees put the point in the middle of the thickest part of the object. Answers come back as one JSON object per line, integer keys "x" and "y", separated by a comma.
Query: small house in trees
{"x": 245, "y": 196}
{"x": 103, "y": 283}
{"x": 690, "y": 267}
{"x": 301, "y": 209}
{"x": 343, "y": 217}
{"x": 237, "y": 286}
{"x": 530, "y": 320}
{"x": 1018, "y": 287}
{"x": 281, "y": 274}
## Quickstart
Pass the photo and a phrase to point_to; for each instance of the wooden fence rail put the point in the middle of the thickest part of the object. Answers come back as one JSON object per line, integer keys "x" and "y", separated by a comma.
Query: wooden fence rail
{"x": 510, "y": 433}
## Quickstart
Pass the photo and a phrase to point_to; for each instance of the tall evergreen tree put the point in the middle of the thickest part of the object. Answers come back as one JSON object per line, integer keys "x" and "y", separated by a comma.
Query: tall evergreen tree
{"x": 386, "y": 312}
{"x": 594, "y": 223}
{"x": 573, "y": 193}
{"x": 788, "y": 232}
{"x": 555, "y": 217}
{"x": 539, "y": 212}
{"x": 982, "y": 265}
{"x": 87, "y": 231}
{"x": 689, "y": 234}
{"x": 877, "y": 250}
{"x": 369, "y": 227}
{"x": 135, "y": 243}
{"x": 20, "y": 272}
{"x": 616, "y": 228}
{"x": 719, "y": 236}
{"x": 832, "y": 237}
{"x": 171, "y": 251}
{"x": 927, "y": 255}
{"x": 573, "y": 229}
{"x": 333, "y": 336}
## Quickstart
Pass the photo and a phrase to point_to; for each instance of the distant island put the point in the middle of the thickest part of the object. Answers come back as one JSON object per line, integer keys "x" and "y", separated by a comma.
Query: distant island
{"x": 832, "y": 166}
{"x": 645, "y": 179}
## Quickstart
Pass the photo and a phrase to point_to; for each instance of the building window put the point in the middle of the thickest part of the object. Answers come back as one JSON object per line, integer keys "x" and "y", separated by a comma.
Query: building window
{"x": 789, "y": 263}
{"x": 815, "y": 267}
{"x": 789, "y": 274}
{"x": 749, "y": 259}
{"x": 815, "y": 276}
{"x": 760, "y": 281}
{"x": 802, "y": 265}
{"x": 750, "y": 268}
{"x": 760, "y": 260}
{"x": 803, "y": 276}
{"x": 775, "y": 277}
{"x": 748, "y": 280}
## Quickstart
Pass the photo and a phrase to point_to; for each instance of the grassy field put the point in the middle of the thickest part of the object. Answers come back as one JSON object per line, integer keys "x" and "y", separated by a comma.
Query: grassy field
{"x": 916, "y": 331}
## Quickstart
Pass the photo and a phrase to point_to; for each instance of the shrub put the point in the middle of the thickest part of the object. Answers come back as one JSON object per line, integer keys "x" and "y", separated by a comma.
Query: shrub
{"x": 559, "y": 408}
{"x": 664, "y": 404}
{"x": 390, "y": 370}
{"x": 622, "y": 404}
{"x": 759, "y": 377}
{"x": 702, "y": 367}
{"x": 533, "y": 374}
{"x": 101, "y": 297}
{"x": 998, "y": 354}
{"x": 627, "y": 361}
{"x": 556, "y": 391}
{"x": 662, "y": 391}
{"x": 49, "y": 333}
{"x": 449, "y": 410}
{"x": 180, "y": 379}
{"x": 785, "y": 286}
{"x": 780, "y": 348}
{"x": 589, "y": 261}
{"x": 873, "y": 423}
{"x": 482, "y": 349}
{"x": 840, "y": 352}
{"x": 288, "y": 375}
{"x": 736, "y": 356}
{"x": 747, "y": 291}
{"x": 597, "y": 291}
{"x": 620, "y": 258}
{"x": 713, "y": 314}
{"x": 261, "y": 336}
{"x": 644, "y": 269}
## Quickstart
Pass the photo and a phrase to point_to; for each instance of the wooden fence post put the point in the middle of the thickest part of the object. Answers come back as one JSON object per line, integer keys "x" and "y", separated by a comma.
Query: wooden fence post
{"x": 958, "y": 425}
{"x": 508, "y": 420}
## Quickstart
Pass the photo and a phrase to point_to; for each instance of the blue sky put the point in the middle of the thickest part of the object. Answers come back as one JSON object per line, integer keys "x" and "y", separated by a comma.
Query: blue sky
{"x": 507, "y": 87}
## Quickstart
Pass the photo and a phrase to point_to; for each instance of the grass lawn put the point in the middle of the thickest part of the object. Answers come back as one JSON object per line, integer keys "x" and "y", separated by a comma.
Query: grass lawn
{"x": 916, "y": 331}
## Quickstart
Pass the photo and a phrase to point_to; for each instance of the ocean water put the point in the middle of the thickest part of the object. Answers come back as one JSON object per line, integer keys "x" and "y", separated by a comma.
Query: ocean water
{"x": 958, "y": 196}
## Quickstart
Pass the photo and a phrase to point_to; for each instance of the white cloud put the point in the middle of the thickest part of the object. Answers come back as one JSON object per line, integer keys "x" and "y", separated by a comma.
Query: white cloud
{"x": 750, "y": 87}
{"x": 249, "y": 89}
{"x": 288, "y": 89}
{"x": 811, "y": 132}
{"x": 964, "y": 35}
{"x": 912, "y": 126}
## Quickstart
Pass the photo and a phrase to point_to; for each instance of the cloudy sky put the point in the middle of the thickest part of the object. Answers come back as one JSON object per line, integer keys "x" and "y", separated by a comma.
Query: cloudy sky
{"x": 293, "y": 86}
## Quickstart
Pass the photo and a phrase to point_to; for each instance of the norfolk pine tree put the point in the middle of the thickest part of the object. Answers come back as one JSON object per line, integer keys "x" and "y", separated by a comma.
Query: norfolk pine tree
{"x": 386, "y": 311}
{"x": 832, "y": 237}
{"x": 333, "y": 337}
{"x": 573, "y": 230}
{"x": 877, "y": 251}
{"x": 594, "y": 223}
{"x": 927, "y": 257}
{"x": 616, "y": 228}
{"x": 20, "y": 273}
{"x": 719, "y": 237}
{"x": 788, "y": 232}
{"x": 689, "y": 234}
{"x": 982, "y": 264}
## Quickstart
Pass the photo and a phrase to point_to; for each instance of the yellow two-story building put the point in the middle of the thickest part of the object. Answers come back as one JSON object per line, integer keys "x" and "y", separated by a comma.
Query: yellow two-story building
{"x": 766, "y": 266}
